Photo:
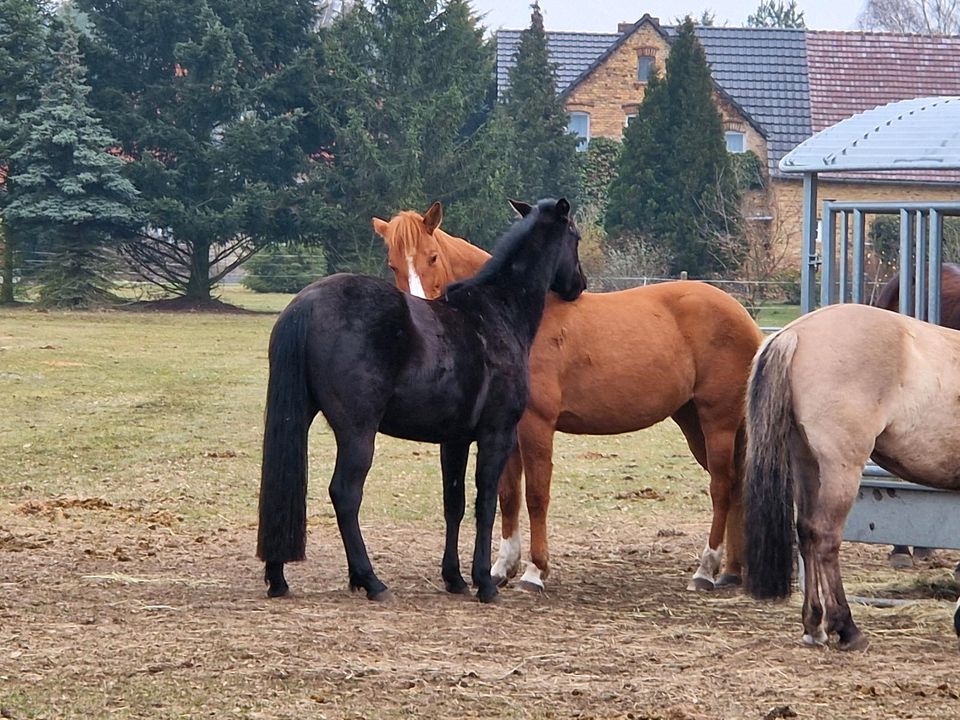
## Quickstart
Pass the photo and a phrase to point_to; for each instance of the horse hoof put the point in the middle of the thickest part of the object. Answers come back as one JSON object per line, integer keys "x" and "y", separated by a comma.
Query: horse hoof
{"x": 729, "y": 580}
{"x": 900, "y": 561}
{"x": 701, "y": 584}
{"x": 499, "y": 580}
{"x": 818, "y": 640}
{"x": 857, "y": 643}
{"x": 382, "y": 596}
{"x": 280, "y": 589}
{"x": 531, "y": 587}
{"x": 923, "y": 553}
{"x": 457, "y": 588}
{"x": 490, "y": 595}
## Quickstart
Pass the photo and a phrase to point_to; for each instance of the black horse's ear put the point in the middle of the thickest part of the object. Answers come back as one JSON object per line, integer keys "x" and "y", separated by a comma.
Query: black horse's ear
{"x": 563, "y": 208}
{"x": 432, "y": 217}
{"x": 521, "y": 208}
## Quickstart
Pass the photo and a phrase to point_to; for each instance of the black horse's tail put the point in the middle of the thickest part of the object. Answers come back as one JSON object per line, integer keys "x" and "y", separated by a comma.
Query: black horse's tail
{"x": 282, "y": 533}
{"x": 768, "y": 501}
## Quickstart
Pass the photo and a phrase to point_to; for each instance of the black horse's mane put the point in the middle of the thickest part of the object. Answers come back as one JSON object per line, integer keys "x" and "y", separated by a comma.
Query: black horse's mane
{"x": 510, "y": 243}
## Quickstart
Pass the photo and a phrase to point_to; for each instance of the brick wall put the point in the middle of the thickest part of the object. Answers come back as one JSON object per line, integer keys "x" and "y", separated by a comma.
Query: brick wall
{"x": 787, "y": 202}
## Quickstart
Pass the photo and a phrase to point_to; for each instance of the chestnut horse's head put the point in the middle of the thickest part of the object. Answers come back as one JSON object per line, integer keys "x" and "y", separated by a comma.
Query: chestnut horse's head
{"x": 413, "y": 253}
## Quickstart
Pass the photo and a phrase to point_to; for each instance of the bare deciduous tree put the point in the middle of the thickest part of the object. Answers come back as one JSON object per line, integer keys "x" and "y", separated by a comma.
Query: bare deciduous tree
{"x": 927, "y": 17}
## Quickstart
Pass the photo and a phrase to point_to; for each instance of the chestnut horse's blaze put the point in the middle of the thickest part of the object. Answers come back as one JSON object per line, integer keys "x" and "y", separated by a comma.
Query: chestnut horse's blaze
{"x": 610, "y": 363}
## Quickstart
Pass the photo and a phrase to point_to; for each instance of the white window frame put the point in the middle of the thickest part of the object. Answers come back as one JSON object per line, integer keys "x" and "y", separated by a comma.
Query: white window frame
{"x": 584, "y": 138}
{"x": 740, "y": 137}
{"x": 648, "y": 62}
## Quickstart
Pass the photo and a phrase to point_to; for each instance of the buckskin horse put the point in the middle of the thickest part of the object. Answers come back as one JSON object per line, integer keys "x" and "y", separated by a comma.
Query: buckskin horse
{"x": 608, "y": 363}
{"x": 830, "y": 390}
{"x": 889, "y": 299}
{"x": 372, "y": 359}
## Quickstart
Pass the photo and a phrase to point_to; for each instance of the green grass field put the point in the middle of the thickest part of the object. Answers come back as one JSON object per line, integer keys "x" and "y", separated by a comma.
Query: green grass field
{"x": 144, "y": 407}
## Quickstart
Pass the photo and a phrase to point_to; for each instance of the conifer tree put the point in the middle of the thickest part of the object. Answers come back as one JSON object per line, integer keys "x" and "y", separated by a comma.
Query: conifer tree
{"x": 214, "y": 100}
{"x": 417, "y": 82}
{"x": 68, "y": 185}
{"x": 23, "y": 55}
{"x": 777, "y": 14}
{"x": 543, "y": 152}
{"x": 674, "y": 185}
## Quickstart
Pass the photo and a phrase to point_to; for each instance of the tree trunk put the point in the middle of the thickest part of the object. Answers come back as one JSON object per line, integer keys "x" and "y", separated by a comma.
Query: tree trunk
{"x": 198, "y": 286}
{"x": 6, "y": 290}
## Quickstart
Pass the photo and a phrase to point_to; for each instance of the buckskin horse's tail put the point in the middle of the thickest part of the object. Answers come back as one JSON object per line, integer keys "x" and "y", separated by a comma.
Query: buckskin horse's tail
{"x": 768, "y": 500}
{"x": 282, "y": 530}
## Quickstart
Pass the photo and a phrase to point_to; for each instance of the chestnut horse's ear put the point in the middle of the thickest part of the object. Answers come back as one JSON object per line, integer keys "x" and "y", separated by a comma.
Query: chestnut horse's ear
{"x": 563, "y": 208}
{"x": 521, "y": 208}
{"x": 380, "y": 227}
{"x": 432, "y": 217}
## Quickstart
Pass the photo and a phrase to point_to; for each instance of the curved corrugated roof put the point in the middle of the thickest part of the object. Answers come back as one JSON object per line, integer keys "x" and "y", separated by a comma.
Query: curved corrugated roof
{"x": 918, "y": 134}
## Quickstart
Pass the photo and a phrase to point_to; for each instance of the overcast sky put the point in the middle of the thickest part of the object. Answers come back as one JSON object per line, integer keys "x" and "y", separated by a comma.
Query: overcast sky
{"x": 604, "y": 15}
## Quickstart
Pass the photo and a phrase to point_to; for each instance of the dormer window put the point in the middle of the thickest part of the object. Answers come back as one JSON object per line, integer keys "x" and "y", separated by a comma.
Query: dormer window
{"x": 644, "y": 68}
{"x": 578, "y": 123}
{"x": 646, "y": 63}
{"x": 736, "y": 141}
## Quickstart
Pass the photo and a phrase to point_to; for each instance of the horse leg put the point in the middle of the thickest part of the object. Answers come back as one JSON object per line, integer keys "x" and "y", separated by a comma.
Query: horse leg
{"x": 812, "y": 613}
{"x": 536, "y": 447}
{"x": 837, "y": 491}
{"x": 839, "y": 619}
{"x": 727, "y": 498}
{"x": 453, "y": 463}
{"x": 508, "y": 559}
{"x": 354, "y": 457}
{"x": 689, "y": 422}
{"x": 493, "y": 449}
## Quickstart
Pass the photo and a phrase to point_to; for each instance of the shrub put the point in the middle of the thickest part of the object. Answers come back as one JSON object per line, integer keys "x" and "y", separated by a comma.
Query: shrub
{"x": 284, "y": 268}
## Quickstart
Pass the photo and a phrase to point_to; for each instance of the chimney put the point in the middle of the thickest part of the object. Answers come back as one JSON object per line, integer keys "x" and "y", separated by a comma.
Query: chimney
{"x": 624, "y": 27}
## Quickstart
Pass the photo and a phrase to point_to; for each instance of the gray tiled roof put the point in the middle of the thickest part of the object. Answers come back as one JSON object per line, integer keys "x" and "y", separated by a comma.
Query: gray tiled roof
{"x": 573, "y": 53}
{"x": 765, "y": 71}
{"x": 762, "y": 70}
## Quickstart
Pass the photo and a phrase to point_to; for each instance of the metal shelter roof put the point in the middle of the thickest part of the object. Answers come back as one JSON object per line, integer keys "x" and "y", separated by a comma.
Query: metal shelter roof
{"x": 918, "y": 134}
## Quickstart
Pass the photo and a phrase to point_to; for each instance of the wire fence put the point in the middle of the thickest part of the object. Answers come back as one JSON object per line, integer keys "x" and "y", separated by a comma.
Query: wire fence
{"x": 753, "y": 293}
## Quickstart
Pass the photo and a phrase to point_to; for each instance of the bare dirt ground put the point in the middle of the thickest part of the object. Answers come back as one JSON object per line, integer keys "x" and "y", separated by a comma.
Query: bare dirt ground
{"x": 112, "y": 611}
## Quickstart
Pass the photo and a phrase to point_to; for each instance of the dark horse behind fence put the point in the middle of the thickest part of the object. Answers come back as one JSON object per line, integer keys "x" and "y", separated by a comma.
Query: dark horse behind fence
{"x": 452, "y": 371}
{"x": 889, "y": 297}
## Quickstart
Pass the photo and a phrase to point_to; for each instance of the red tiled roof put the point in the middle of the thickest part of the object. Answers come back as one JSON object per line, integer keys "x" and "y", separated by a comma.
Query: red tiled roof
{"x": 850, "y": 72}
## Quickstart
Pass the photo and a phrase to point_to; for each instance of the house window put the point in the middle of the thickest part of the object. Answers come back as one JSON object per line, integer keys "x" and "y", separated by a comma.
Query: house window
{"x": 629, "y": 119}
{"x": 644, "y": 67}
{"x": 736, "y": 141}
{"x": 579, "y": 125}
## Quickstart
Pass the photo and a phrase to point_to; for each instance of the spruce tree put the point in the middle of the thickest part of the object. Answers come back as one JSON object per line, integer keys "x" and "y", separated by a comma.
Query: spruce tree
{"x": 777, "y": 14}
{"x": 543, "y": 153}
{"x": 23, "y": 55}
{"x": 214, "y": 101}
{"x": 675, "y": 186}
{"x": 412, "y": 126}
{"x": 68, "y": 185}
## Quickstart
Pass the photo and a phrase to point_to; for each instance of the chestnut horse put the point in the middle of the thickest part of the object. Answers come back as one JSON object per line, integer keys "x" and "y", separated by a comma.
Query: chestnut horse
{"x": 373, "y": 359}
{"x": 832, "y": 389}
{"x": 609, "y": 363}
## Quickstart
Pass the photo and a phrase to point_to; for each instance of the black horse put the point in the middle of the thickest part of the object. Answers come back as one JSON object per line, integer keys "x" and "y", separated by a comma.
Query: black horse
{"x": 450, "y": 371}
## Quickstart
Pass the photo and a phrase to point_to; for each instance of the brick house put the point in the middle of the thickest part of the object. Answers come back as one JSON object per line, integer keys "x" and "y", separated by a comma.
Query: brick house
{"x": 774, "y": 88}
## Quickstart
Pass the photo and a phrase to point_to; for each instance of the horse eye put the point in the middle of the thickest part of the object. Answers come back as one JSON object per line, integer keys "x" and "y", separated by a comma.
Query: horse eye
{"x": 433, "y": 259}
{"x": 392, "y": 269}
